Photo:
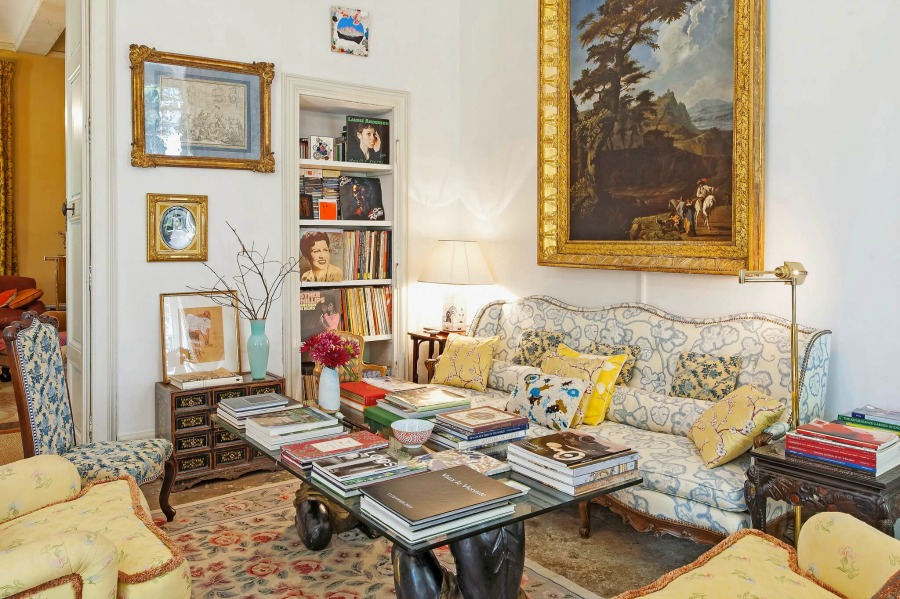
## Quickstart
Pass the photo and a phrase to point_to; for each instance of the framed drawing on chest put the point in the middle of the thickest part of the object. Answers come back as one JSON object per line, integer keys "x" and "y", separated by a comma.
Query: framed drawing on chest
{"x": 199, "y": 332}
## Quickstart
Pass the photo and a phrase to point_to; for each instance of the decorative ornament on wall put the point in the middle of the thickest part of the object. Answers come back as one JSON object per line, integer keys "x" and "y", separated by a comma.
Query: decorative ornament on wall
{"x": 651, "y": 156}
{"x": 176, "y": 227}
{"x": 350, "y": 31}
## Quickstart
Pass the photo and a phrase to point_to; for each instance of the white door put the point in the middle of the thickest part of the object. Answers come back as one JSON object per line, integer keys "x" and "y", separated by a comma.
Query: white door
{"x": 77, "y": 222}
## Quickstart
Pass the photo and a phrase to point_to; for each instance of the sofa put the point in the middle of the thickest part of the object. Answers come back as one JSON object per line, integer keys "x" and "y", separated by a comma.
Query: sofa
{"x": 8, "y": 315}
{"x": 679, "y": 494}
{"x": 837, "y": 556}
{"x": 61, "y": 540}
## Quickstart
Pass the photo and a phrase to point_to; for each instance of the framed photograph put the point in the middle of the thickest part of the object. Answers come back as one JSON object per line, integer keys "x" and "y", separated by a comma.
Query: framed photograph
{"x": 176, "y": 228}
{"x": 201, "y": 112}
{"x": 199, "y": 333}
{"x": 350, "y": 31}
{"x": 650, "y": 135}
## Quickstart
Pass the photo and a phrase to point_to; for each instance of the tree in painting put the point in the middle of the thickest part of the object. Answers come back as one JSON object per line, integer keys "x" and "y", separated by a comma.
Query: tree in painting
{"x": 644, "y": 166}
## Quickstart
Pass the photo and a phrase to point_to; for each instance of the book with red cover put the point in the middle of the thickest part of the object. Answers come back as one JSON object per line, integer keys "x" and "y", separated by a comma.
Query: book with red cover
{"x": 812, "y": 446}
{"x": 309, "y": 451}
{"x": 842, "y": 433}
{"x": 362, "y": 392}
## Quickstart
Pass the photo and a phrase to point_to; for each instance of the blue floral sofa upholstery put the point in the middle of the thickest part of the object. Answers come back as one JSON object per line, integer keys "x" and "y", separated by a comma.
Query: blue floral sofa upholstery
{"x": 679, "y": 495}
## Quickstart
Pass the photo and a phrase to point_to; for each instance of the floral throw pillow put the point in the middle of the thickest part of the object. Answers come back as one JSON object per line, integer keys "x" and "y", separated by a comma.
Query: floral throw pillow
{"x": 599, "y": 371}
{"x": 466, "y": 362}
{"x": 614, "y": 349}
{"x": 726, "y": 430}
{"x": 547, "y": 400}
{"x": 533, "y": 344}
{"x": 703, "y": 376}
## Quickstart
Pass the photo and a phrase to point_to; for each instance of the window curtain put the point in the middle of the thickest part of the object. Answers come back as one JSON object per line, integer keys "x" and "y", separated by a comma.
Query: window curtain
{"x": 8, "y": 264}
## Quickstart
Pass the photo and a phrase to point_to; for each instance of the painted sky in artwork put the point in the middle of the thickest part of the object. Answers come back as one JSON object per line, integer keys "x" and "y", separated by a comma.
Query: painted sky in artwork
{"x": 695, "y": 55}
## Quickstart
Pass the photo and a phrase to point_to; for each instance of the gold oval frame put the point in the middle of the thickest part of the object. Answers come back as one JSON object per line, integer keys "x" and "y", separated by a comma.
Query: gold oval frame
{"x": 156, "y": 249}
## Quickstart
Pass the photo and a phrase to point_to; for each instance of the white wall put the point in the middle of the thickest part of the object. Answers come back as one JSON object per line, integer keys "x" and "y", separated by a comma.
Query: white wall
{"x": 831, "y": 181}
{"x": 408, "y": 52}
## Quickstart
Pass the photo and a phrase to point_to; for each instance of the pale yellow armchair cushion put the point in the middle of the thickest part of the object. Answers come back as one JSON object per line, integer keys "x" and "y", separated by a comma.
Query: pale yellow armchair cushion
{"x": 32, "y": 483}
{"x": 70, "y": 564}
{"x": 847, "y": 554}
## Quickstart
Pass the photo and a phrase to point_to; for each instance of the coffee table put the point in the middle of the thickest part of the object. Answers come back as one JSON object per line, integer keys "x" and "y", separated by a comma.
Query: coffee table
{"x": 490, "y": 557}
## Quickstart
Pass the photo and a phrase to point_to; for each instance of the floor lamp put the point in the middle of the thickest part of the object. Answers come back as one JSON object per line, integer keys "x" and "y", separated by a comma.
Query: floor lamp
{"x": 793, "y": 274}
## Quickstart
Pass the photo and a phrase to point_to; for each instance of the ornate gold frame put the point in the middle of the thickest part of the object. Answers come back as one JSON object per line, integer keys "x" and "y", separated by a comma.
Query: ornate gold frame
{"x": 746, "y": 248}
{"x": 266, "y": 72}
{"x": 156, "y": 249}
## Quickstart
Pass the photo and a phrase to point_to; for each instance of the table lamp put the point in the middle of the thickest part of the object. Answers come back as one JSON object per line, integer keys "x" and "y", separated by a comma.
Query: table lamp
{"x": 455, "y": 262}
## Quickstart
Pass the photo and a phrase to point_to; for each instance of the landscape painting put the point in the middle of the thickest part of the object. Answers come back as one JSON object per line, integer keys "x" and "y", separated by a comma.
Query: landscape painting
{"x": 650, "y": 169}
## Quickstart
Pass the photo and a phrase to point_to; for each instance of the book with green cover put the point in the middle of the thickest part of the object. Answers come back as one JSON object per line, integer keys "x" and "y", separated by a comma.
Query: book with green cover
{"x": 381, "y": 416}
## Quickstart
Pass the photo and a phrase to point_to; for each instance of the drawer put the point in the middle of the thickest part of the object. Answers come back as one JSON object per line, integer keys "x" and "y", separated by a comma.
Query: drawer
{"x": 256, "y": 454}
{"x": 228, "y": 394}
{"x": 186, "y": 422}
{"x": 232, "y": 455}
{"x": 273, "y": 388}
{"x": 192, "y": 401}
{"x": 194, "y": 463}
{"x": 192, "y": 442}
{"x": 223, "y": 437}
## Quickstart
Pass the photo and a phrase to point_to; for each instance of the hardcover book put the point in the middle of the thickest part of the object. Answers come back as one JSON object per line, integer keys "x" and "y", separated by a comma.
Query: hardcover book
{"x": 320, "y": 310}
{"x": 426, "y": 398}
{"x": 361, "y": 392}
{"x": 393, "y": 384}
{"x": 295, "y": 420}
{"x": 200, "y": 380}
{"x": 368, "y": 140}
{"x": 877, "y": 414}
{"x": 450, "y": 458}
{"x": 309, "y": 451}
{"x": 358, "y": 463}
{"x": 465, "y": 436}
{"x": 361, "y": 199}
{"x": 842, "y": 433}
{"x": 568, "y": 449}
{"x": 476, "y": 420}
{"x": 246, "y": 403}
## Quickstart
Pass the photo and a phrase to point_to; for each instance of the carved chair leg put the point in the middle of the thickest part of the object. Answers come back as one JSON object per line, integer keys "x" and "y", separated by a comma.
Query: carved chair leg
{"x": 168, "y": 482}
{"x": 585, "y": 508}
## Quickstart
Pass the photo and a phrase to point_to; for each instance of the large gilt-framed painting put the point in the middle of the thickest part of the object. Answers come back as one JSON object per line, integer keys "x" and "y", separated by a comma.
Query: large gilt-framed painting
{"x": 650, "y": 144}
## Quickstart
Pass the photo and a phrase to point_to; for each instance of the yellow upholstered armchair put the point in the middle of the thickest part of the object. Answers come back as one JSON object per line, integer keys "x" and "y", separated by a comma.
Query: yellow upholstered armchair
{"x": 62, "y": 540}
{"x": 354, "y": 369}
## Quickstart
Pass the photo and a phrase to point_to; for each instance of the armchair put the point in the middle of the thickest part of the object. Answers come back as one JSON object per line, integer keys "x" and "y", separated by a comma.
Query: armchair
{"x": 45, "y": 415}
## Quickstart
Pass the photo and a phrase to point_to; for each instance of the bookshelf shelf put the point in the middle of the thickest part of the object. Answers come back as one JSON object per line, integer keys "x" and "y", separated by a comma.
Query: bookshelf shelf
{"x": 369, "y": 338}
{"x": 356, "y": 283}
{"x": 346, "y": 224}
{"x": 347, "y": 167}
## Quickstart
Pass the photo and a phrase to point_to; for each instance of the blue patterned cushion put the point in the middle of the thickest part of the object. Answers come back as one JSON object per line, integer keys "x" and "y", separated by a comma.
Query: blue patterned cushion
{"x": 548, "y": 400}
{"x": 655, "y": 411}
{"x": 534, "y": 344}
{"x": 46, "y": 394}
{"x": 142, "y": 459}
{"x": 704, "y": 376}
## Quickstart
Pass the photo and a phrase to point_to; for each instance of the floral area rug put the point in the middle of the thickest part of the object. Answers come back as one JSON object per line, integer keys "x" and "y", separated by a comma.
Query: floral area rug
{"x": 245, "y": 545}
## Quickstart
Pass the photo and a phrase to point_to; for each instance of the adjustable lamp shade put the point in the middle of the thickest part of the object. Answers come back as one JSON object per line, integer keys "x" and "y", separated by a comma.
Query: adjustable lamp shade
{"x": 455, "y": 262}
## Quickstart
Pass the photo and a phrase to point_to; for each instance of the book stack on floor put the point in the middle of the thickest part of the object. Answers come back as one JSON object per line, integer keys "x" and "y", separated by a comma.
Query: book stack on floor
{"x": 439, "y": 502}
{"x": 237, "y": 410}
{"x": 860, "y": 451}
{"x": 872, "y": 418}
{"x": 424, "y": 402}
{"x": 346, "y": 474}
{"x": 476, "y": 428}
{"x": 290, "y": 426}
{"x": 358, "y": 396}
{"x": 574, "y": 463}
{"x": 303, "y": 454}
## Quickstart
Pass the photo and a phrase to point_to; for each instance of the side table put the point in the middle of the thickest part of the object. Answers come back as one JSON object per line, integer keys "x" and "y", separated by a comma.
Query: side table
{"x": 819, "y": 487}
{"x": 439, "y": 339}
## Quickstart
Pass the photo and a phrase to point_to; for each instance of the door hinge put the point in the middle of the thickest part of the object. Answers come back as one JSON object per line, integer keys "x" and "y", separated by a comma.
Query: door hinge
{"x": 90, "y": 277}
{"x": 89, "y": 130}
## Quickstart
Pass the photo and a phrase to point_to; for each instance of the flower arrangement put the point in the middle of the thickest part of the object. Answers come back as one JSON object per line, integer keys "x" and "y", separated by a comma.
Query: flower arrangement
{"x": 330, "y": 349}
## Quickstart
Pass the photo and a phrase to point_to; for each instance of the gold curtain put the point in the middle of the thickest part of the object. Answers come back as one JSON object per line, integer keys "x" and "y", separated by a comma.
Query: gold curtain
{"x": 8, "y": 260}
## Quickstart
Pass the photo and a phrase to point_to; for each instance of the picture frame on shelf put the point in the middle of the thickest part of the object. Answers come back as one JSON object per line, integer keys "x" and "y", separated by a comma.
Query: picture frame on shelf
{"x": 200, "y": 112}
{"x": 640, "y": 166}
{"x": 198, "y": 333}
{"x": 177, "y": 228}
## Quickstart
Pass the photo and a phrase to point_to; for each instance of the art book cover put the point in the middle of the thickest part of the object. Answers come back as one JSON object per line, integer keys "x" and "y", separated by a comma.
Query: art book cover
{"x": 306, "y": 206}
{"x": 877, "y": 414}
{"x": 481, "y": 419}
{"x": 836, "y": 431}
{"x": 321, "y": 147}
{"x": 322, "y": 256}
{"x": 320, "y": 310}
{"x": 361, "y": 198}
{"x": 475, "y": 460}
{"x": 358, "y": 463}
{"x": 393, "y": 384}
{"x": 568, "y": 449}
{"x": 428, "y": 397}
{"x": 297, "y": 419}
{"x": 309, "y": 451}
{"x": 368, "y": 140}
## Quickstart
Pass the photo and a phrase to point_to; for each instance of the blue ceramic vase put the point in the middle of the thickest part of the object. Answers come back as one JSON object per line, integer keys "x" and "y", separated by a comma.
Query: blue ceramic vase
{"x": 258, "y": 349}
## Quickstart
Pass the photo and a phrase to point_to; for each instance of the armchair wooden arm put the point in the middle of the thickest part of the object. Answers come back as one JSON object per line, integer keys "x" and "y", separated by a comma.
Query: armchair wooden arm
{"x": 430, "y": 365}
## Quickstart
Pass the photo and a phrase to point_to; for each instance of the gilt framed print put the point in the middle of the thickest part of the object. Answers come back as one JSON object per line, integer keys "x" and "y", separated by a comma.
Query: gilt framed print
{"x": 200, "y": 112}
{"x": 650, "y": 141}
{"x": 199, "y": 333}
{"x": 176, "y": 228}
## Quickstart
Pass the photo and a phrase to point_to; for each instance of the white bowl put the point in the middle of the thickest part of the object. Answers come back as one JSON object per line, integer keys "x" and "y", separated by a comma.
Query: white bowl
{"x": 412, "y": 432}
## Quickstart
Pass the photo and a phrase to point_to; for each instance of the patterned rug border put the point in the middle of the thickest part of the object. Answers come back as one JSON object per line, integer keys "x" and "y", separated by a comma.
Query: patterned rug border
{"x": 158, "y": 512}
{"x": 560, "y": 580}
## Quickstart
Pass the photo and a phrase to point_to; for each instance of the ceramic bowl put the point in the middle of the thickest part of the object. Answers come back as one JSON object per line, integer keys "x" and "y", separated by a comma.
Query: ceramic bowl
{"x": 412, "y": 432}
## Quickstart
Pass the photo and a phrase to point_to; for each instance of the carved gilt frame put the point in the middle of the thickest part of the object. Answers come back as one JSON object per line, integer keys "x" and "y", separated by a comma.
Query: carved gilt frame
{"x": 745, "y": 250}
{"x": 157, "y": 249}
{"x": 139, "y": 55}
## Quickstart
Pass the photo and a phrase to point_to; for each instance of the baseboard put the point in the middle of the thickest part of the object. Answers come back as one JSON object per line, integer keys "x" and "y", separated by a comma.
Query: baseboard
{"x": 136, "y": 436}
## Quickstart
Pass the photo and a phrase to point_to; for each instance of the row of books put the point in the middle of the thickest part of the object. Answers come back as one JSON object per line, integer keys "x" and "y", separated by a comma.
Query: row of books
{"x": 324, "y": 197}
{"x": 330, "y": 256}
{"x": 574, "y": 463}
{"x": 358, "y": 133}
{"x": 862, "y": 451}
{"x": 873, "y": 418}
{"x": 273, "y": 420}
{"x": 477, "y": 428}
{"x": 323, "y": 147}
{"x": 361, "y": 310}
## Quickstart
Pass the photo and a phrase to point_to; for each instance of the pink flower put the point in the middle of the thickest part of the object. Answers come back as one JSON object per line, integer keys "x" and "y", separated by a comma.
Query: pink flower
{"x": 215, "y": 566}
{"x": 263, "y": 568}
{"x": 196, "y": 572}
{"x": 266, "y": 536}
{"x": 306, "y": 566}
{"x": 847, "y": 552}
{"x": 225, "y": 538}
{"x": 341, "y": 595}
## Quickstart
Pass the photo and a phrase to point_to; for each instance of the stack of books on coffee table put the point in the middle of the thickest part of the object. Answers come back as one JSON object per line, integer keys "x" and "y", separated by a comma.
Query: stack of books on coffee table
{"x": 860, "y": 451}
{"x": 424, "y": 402}
{"x": 873, "y": 418}
{"x": 574, "y": 463}
{"x": 236, "y": 410}
{"x": 358, "y": 396}
{"x": 290, "y": 426}
{"x": 477, "y": 428}
{"x": 346, "y": 474}
{"x": 439, "y": 502}
{"x": 303, "y": 454}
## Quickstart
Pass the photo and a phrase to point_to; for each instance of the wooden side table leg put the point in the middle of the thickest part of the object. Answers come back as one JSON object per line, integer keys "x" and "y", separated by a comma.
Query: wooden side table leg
{"x": 415, "y": 360}
{"x": 755, "y": 498}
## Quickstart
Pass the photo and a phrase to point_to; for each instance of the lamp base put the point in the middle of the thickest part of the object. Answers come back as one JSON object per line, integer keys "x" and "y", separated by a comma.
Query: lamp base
{"x": 453, "y": 319}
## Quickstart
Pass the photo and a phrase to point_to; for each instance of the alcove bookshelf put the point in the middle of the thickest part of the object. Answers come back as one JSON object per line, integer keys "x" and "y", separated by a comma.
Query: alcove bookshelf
{"x": 320, "y": 107}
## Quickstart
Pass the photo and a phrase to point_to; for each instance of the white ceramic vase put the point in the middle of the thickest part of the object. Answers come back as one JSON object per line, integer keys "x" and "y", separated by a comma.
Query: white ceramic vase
{"x": 329, "y": 390}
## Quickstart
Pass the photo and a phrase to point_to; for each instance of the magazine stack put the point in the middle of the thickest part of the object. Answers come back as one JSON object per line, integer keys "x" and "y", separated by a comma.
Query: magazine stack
{"x": 872, "y": 418}
{"x": 290, "y": 426}
{"x": 303, "y": 454}
{"x": 574, "y": 463}
{"x": 439, "y": 502}
{"x": 477, "y": 428}
{"x": 346, "y": 474}
{"x": 424, "y": 402}
{"x": 236, "y": 410}
{"x": 860, "y": 451}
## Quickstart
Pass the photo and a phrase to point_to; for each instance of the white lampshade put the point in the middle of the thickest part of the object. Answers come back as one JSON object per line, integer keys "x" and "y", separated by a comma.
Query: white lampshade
{"x": 454, "y": 262}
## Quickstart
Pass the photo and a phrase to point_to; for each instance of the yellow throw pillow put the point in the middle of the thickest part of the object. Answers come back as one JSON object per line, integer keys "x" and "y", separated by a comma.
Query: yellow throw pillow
{"x": 726, "y": 430}
{"x": 601, "y": 371}
{"x": 466, "y": 362}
